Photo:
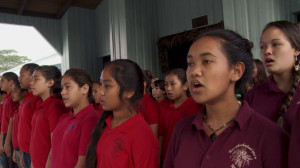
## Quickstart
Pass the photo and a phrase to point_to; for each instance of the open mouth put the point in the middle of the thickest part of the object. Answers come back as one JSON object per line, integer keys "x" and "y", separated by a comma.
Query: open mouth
{"x": 269, "y": 60}
{"x": 196, "y": 84}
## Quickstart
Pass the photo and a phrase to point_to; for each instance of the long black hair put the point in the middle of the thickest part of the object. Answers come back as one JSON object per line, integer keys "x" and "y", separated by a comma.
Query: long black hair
{"x": 129, "y": 77}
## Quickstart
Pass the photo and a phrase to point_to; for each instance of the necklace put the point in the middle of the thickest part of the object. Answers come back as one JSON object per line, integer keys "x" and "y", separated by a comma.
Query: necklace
{"x": 213, "y": 136}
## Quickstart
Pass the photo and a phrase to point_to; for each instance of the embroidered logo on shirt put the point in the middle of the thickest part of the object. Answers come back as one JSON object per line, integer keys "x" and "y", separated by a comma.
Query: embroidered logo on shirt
{"x": 118, "y": 147}
{"x": 241, "y": 155}
{"x": 71, "y": 128}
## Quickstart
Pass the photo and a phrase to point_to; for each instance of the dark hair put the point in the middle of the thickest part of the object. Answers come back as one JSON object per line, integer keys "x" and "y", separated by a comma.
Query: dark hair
{"x": 129, "y": 77}
{"x": 51, "y": 72}
{"x": 181, "y": 74}
{"x": 2, "y": 92}
{"x": 237, "y": 49}
{"x": 160, "y": 84}
{"x": 292, "y": 32}
{"x": 261, "y": 72}
{"x": 17, "y": 84}
{"x": 148, "y": 76}
{"x": 81, "y": 77}
{"x": 11, "y": 76}
{"x": 30, "y": 67}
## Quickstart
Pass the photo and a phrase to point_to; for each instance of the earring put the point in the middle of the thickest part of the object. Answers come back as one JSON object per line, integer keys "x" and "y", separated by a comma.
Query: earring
{"x": 296, "y": 64}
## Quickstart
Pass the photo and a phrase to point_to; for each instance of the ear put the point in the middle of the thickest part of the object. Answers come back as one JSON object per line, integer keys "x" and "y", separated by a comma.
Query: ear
{"x": 85, "y": 89}
{"x": 185, "y": 86}
{"x": 11, "y": 83}
{"x": 128, "y": 94}
{"x": 297, "y": 53}
{"x": 50, "y": 83}
{"x": 237, "y": 71}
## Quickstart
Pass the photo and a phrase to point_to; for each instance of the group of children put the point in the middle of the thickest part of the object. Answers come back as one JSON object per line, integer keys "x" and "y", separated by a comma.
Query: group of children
{"x": 190, "y": 119}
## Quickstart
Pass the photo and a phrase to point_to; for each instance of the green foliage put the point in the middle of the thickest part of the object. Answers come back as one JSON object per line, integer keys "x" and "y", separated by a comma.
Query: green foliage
{"x": 9, "y": 59}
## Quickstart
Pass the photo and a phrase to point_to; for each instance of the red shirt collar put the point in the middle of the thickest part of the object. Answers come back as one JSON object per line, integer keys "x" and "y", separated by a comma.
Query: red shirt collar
{"x": 82, "y": 112}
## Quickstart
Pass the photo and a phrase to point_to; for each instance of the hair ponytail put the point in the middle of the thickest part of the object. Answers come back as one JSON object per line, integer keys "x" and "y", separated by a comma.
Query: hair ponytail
{"x": 289, "y": 97}
{"x": 91, "y": 156}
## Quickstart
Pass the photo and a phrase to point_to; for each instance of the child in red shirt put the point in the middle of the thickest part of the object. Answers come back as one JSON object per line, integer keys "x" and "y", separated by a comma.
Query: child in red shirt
{"x": 122, "y": 138}
{"x": 8, "y": 79}
{"x": 45, "y": 84}
{"x": 17, "y": 95}
{"x": 180, "y": 106}
{"x": 159, "y": 93}
{"x": 96, "y": 96}
{"x": 26, "y": 110}
{"x": 73, "y": 131}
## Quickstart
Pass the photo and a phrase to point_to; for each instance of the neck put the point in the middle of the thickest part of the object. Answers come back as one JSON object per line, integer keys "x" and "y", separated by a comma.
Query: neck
{"x": 159, "y": 99}
{"x": 121, "y": 115}
{"x": 284, "y": 81}
{"x": 81, "y": 106}
{"x": 222, "y": 111}
{"x": 180, "y": 100}
{"x": 45, "y": 96}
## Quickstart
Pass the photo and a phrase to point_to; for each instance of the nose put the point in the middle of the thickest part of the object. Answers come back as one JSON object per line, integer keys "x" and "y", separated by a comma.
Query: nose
{"x": 267, "y": 50}
{"x": 101, "y": 91}
{"x": 194, "y": 71}
{"x": 63, "y": 91}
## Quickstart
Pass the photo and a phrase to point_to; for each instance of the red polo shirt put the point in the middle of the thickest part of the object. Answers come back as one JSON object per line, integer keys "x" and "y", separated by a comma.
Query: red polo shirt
{"x": 72, "y": 136}
{"x": 129, "y": 145}
{"x": 294, "y": 150}
{"x": 252, "y": 141}
{"x": 170, "y": 115}
{"x": 267, "y": 99}
{"x": 15, "y": 129}
{"x": 44, "y": 121}
{"x": 8, "y": 109}
{"x": 149, "y": 109}
{"x": 163, "y": 103}
{"x": 26, "y": 110}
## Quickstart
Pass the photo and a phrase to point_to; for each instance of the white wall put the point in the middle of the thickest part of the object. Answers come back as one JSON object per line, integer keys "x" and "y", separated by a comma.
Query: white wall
{"x": 248, "y": 17}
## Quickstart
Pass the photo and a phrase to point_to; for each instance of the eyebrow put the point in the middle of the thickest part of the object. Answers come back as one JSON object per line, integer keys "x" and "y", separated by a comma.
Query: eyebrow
{"x": 271, "y": 40}
{"x": 107, "y": 80}
{"x": 202, "y": 55}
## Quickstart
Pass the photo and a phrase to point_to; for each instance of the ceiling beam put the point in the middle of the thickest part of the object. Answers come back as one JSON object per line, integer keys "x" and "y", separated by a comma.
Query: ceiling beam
{"x": 22, "y": 6}
{"x": 64, "y": 8}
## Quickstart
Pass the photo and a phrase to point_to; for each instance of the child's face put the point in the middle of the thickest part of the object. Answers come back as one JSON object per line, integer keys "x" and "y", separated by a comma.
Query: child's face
{"x": 208, "y": 73}
{"x": 157, "y": 92}
{"x": 174, "y": 88}
{"x": 16, "y": 94}
{"x": 5, "y": 84}
{"x": 39, "y": 85}
{"x": 96, "y": 94}
{"x": 109, "y": 91}
{"x": 73, "y": 95}
{"x": 276, "y": 51}
{"x": 25, "y": 78}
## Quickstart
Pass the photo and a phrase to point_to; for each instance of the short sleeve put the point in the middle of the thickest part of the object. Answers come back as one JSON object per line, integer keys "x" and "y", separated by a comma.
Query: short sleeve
{"x": 145, "y": 150}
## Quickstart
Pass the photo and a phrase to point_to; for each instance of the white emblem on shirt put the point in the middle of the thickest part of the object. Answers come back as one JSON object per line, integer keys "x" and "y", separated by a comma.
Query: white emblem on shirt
{"x": 241, "y": 155}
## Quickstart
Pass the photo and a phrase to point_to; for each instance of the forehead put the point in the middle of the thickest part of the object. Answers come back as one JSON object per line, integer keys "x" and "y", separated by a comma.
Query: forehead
{"x": 67, "y": 79}
{"x": 205, "y": 44}
{"x": 171, "y": 77}
{"x": 106, "y": 74}
{"x": 37, "y": 73}
{"x": 273, "y": 33}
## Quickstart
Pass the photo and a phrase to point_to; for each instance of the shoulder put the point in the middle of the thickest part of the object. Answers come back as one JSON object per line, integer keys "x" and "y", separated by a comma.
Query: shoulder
{"x": 267, "y": 127}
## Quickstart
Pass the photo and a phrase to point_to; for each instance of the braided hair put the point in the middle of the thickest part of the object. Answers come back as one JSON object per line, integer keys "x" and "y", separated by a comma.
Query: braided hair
{"x": 292, "y": 32}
